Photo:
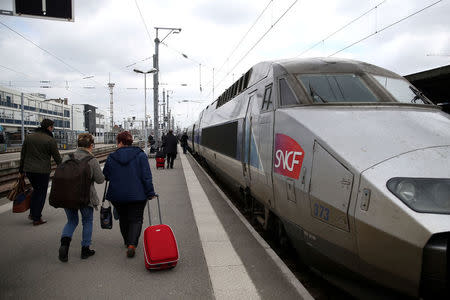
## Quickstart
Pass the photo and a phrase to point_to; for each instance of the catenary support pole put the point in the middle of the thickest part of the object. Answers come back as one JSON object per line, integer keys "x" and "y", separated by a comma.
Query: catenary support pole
{"x": 22, "y": 110}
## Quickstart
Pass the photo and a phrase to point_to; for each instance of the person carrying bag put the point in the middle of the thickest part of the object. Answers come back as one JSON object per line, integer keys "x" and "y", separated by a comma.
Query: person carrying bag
{"x": 20, "y": 195}
{"x": 128, "y": 171}
{"x": 106, "y": 221}
{"x": 85, "y": 170}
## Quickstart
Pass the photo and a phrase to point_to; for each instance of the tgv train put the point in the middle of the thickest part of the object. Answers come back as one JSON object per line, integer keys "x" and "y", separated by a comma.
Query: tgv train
{"x": 350, "y": 160}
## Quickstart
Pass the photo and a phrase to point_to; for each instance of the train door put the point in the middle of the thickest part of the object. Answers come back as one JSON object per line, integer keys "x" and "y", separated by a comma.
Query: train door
{"x": 262, "y": 175}
{"x": 330, "y": 189}
{"x": 193, "y": 139}
{"x": 247, "y": 141}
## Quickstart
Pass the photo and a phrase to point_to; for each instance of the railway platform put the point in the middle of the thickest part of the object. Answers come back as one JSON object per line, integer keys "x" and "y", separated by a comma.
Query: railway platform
{"x": 13, "y": 156}
{"x": 221, "y": 257}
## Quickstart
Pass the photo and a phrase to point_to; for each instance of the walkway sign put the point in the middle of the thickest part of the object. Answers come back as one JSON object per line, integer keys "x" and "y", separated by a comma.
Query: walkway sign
{"x": 45, "y": 9}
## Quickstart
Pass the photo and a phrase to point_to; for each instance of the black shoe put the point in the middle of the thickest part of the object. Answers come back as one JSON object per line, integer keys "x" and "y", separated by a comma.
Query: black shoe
{"x": 64, "y": 249}
{"x": 131, "y": 251}
{"x": 86, "y": 252}
{"x": 40, "y": 222}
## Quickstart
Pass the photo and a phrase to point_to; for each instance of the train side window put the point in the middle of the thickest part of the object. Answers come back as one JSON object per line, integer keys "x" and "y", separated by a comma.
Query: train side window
{"x": 287, "y": 97}
{"x": 267, "y": 101}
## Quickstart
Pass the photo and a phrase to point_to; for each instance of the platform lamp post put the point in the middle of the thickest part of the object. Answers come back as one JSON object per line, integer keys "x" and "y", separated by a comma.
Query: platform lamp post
{"x": 155, "y": 76}
{"x": 153, "y": 70}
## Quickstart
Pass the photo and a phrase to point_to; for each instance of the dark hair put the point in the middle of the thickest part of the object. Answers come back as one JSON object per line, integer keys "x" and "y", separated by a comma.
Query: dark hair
{"x": 85, "y": 140}
{"x": 125, "y": 138}
{"x": 46, "y": 123}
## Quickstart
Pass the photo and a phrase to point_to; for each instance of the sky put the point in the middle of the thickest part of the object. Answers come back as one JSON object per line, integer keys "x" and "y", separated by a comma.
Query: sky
{"x": 222, "y": 39}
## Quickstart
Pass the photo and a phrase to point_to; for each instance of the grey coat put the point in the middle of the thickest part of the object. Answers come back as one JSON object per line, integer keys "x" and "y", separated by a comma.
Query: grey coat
{"x": 96, "y": 171}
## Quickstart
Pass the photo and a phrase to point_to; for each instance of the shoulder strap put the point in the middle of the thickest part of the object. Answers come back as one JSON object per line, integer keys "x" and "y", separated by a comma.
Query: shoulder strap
{"x": 87, "y": 158}
{"x": 104, "y": 193}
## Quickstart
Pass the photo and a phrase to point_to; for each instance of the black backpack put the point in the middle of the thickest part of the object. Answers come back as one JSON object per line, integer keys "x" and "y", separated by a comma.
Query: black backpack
{"x": 71, "y": 184}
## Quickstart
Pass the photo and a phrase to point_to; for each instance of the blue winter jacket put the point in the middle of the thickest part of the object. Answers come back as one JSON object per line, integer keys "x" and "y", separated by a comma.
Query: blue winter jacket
{"x": 128, "y": 172}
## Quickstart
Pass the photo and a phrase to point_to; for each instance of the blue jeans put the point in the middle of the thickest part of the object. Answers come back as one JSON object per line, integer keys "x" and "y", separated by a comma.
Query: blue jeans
{"x": 87, "y": 214}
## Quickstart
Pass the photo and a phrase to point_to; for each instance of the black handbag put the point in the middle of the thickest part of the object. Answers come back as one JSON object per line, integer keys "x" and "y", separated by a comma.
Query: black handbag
{"x": 106, "y": 221}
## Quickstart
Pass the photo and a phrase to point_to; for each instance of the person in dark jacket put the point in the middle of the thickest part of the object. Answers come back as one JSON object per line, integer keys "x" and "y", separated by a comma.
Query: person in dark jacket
{"x": 128, "y": 171}
{"x": 184, "y": 139}
{"x": 170, "y": 148}
{"x": 35, "y": 163}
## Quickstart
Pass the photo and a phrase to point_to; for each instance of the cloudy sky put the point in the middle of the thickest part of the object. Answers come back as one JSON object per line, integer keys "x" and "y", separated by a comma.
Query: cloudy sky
{"x": 227, "y": 36}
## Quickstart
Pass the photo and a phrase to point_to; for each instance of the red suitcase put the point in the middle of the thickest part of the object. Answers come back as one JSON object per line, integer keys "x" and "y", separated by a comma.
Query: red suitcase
{"x": 160, "y": 246}
{"x": 160, "y": 161}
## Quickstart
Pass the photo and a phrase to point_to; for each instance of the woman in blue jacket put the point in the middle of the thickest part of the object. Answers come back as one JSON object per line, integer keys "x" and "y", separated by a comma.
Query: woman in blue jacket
{"x": 128, "y": 171}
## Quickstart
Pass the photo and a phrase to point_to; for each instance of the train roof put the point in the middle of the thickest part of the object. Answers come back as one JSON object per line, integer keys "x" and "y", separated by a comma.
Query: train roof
{"x": 296, "y": 66}
{"x": 327, "y": 64}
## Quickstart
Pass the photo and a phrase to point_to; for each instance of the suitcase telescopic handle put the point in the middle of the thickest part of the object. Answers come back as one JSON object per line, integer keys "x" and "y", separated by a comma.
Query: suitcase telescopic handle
{"x": 159, "y": 211}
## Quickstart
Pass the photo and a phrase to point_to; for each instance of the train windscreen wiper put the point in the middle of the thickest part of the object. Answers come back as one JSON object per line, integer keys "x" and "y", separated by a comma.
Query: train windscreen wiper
{"x": 418, "y": 95}
{"x": 313, "y": 93}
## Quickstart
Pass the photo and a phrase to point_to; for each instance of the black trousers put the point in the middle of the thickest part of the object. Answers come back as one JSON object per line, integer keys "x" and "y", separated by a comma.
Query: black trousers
{"x": 130, "y": 220}
{"x": 170, "y": 158}
{"x": 39, "y": 182}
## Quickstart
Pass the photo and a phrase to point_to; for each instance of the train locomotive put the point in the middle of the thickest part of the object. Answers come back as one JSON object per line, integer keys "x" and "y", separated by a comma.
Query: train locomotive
{"x": 348, "y": 159}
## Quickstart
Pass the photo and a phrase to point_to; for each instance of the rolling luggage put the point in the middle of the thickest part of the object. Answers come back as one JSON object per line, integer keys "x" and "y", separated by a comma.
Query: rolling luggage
{"x": 160, "y": 162}
{"x": 160, "y": 159}
{"x": 160, "y": 246}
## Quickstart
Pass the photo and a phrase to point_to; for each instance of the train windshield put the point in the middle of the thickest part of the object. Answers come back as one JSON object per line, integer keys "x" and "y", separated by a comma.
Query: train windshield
{"x": 401, "y": 90}
{"x": 325, "y": 88}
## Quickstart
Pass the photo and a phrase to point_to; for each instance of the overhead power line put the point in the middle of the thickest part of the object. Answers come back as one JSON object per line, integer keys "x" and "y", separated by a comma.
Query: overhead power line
{"x": 18, "y": 72}
{"x": 386, "y": 27}
{"x": 143, "y": 21}
{"x": 238, "y": 44}
{"x": 257, "y": 42}
{"x": 48, "y": 52}
{"x": 245, "y": 35}
{"x": 342, "y": 28}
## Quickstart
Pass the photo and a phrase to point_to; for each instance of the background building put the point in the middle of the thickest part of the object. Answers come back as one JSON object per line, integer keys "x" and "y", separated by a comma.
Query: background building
{"x": 35, "y": 108}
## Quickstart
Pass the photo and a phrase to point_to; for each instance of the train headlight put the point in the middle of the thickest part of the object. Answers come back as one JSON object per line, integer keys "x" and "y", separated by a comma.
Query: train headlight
{"x": 426, "y": 195}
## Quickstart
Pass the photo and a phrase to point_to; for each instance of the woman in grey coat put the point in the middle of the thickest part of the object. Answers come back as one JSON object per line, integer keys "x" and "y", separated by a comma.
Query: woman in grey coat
{"x": 85, "y": 147}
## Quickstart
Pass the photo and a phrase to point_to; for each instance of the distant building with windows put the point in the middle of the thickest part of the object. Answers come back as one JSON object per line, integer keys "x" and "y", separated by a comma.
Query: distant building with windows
{"x": 35, "y": 108}
{"x": 70, "y": 120}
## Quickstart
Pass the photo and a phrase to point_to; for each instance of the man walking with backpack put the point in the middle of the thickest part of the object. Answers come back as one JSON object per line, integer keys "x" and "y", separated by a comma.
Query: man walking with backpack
{"x": 35, "y": 163}
{"x": 73, "y": 189}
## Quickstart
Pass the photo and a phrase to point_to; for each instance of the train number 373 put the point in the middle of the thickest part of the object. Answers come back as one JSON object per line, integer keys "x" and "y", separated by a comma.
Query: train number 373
{"x": 321, "y": 212}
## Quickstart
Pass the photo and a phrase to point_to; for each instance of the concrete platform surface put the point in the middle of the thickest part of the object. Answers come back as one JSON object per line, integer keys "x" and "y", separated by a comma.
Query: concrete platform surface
{"x": 220, "y": 258}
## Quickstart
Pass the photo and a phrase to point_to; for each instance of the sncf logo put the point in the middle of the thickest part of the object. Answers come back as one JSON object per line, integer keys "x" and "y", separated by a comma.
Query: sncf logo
{"x": 288, "y": 156}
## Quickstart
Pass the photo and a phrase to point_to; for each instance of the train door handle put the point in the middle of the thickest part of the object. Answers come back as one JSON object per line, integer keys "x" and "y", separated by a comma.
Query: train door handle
{"x": 303, "y": 177}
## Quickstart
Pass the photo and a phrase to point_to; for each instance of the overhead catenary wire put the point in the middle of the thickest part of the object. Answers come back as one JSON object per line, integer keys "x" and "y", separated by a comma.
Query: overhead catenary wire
{"x": 143, "y": 21}
{"x": 386, "y": 27}
{"x": 239, "y": 43}
{"x": 245, "y": 35}
{"x": 18, "y": 72}
{"x": 46, "y": 51}
{"x": 342, "y": 28}
{"x": 257, "y": 42}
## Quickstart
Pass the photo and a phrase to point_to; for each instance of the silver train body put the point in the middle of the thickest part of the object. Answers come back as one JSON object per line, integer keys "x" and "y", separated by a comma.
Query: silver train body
{"x": 352, "y": 159}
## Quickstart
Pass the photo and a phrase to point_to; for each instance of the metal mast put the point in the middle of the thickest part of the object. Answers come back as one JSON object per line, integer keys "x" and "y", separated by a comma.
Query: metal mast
{"x": 111, "y": 102}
